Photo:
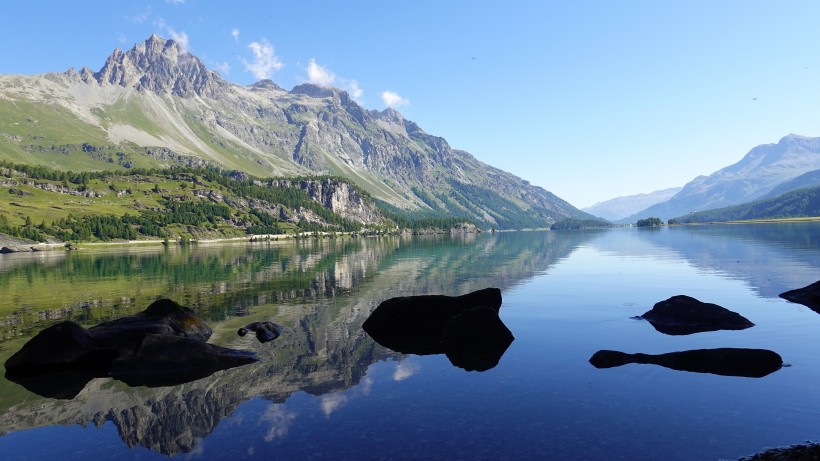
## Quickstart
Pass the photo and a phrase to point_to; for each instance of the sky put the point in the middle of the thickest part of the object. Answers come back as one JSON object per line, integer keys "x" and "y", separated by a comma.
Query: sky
{"x": 590, "y": 100}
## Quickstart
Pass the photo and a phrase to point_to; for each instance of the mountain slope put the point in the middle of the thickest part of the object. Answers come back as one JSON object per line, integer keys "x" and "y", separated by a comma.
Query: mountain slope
{"x": 800, "y": 203}
{"x": 621, "y": 207}
{"x": 155, "y": 105}
{"x": 757, "y": 173}
{"x": 810, "y": 179}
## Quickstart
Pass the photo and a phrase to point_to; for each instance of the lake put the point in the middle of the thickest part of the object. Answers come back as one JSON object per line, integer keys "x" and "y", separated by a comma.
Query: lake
{"x": 325, "y": 390}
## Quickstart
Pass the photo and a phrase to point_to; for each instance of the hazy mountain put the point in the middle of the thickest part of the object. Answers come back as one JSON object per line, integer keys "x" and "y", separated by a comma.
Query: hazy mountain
{"x": 800, "y": 203}
{"x": 810, "y": 179}
{"x": 761, "y": 170}
{"x": 621, "y": 207}
{"x": 157, "y": 105}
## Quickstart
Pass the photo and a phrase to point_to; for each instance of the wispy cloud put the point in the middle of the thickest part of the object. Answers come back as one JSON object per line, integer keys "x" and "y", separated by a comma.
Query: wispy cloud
{"x": 140, "y": 16}
{"x": 176, "y": 2}
{"x": 352, "y": 87}
{"x": 280, "y": 420}
{"x": 322, "y": 76}
{"x": 331, "y": 402}
{"x": 235, "y": 34}
{"x": 223, "y": 67}
{"x": 393, "y": 99}
{"x": 404, "y": 370}
{"x": 265, "y": 62}
{"x": 319, "y": 75}
{"x": 180, "y": 37}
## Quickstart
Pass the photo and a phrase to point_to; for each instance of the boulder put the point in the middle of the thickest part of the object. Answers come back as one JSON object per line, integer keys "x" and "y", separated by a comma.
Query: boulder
{"x": 265, "y": 331}
{"x": 466, "y": 328}
{"x": 413, "y": 324}
{"x": 163, "y": 345}
{"x": 808, "y": 296}
{"x": 749, "y": 363}
{"x": 684, "y": 315}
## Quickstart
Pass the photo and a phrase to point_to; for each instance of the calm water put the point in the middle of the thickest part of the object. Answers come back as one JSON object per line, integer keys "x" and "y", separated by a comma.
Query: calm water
{"x": 325, "y": 390}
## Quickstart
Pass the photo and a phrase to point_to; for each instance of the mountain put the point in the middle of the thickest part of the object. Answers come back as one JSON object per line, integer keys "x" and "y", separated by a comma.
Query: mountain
{"x": 758, "y": 172}
{"x": 156, "y": 105}
{"x": 621, "y": 207}
{"x": 810, "y": 179}
{"x": 800, "y": 203}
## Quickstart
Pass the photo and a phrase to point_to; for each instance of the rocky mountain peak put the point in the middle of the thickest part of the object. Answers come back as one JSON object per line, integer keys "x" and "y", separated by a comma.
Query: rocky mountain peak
{"x": 160, "y": 66}
{"x": 314, "y": 91}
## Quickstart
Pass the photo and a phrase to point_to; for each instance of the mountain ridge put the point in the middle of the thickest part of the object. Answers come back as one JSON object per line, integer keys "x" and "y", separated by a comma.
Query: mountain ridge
{"x": 157, "y": 97}
{"x": 762, "y": 169}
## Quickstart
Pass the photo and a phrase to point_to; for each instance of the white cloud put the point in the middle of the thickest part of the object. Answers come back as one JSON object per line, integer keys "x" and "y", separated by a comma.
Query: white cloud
{"x": 180, "y": 37}
{"x": 280, "y": 420}
{"x": 319, "y": 75}
{"x": 176, "y": 2}
{"x": 393, "y": 99}
{"x": 235, "y": 34}
{"x": 139, "y": 17}
{"x": 332, "y": 402}
{"x": 265, "y": 62}
{"x": 223, "y": 67}
{"x": 352, "y": 87}
{"x": 404, "y": 370}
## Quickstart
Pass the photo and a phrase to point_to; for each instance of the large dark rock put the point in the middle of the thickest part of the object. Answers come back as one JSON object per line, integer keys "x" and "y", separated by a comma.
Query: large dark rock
{"x": 808, "y": 296}
{"x": 749, "y": 363}
{"x": 684, "y": 315}
{"x": 163, "y": 345}
{"x": 466, "y": 328}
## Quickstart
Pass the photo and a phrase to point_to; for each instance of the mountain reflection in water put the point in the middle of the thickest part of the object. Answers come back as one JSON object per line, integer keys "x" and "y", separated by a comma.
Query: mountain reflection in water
{"x": 321, "y": 292}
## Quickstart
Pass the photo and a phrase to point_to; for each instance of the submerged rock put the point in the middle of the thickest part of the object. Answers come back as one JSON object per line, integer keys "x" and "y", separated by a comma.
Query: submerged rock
{"x": 265, "y": 331}
{"x": 749, "y": 363}
{"x": 684, "y": 315}
{"x": 466, "y": 328}
{"x": 805, "y": 452}
{"x": 163, "y": 345}
{"x": 808, "y": 296}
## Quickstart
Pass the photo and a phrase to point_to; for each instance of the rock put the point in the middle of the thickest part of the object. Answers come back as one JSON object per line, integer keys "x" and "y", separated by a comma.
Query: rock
{"x": 749, "y": 363}
{"x": 684, "y": 315}
{"x": 476, "y": 339}
{"x": 808, "y": 296}
{"x": 163, "y": 345}
{"x": 7, "y": 250}
{"x": 417, "y": 322}
{"x": 265, "y": 331}
{"x": 466, "y": 328}
{"x": 803, "y": 452}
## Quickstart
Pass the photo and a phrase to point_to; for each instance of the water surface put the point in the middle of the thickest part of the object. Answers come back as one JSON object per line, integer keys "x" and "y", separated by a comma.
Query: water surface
{"x": 325, "y": 390}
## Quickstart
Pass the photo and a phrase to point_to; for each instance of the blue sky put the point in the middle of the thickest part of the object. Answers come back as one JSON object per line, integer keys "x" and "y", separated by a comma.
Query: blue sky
{"x": 588, "y": 99}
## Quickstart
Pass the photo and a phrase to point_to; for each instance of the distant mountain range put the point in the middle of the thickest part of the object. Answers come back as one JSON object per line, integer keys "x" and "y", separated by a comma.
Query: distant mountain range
{"x": 622, "y": 207}
{"x": 156, "y": 105}
{"x": 766, "y": 171}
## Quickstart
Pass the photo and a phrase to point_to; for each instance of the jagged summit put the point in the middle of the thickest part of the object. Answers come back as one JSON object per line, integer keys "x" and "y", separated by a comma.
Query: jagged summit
{"x": 157, "y": 65}
{"x": 316, "y": 91}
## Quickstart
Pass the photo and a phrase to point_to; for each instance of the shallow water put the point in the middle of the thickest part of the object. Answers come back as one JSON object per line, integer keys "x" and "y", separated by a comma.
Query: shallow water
{"x": 325, "y": 390}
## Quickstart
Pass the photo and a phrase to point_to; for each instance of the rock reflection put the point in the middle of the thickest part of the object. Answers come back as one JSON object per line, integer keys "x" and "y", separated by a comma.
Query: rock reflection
{"x": 749, "y": 363}
{"x": 466, "y": 328}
